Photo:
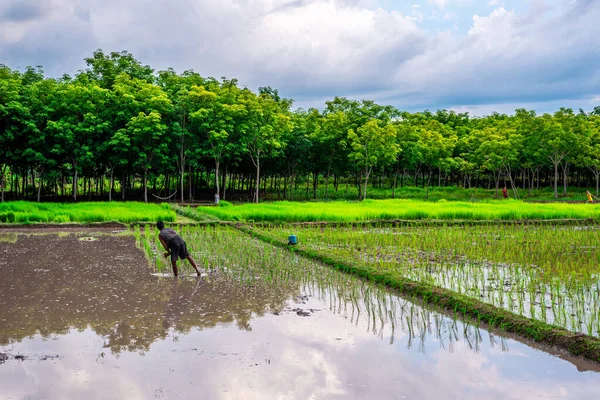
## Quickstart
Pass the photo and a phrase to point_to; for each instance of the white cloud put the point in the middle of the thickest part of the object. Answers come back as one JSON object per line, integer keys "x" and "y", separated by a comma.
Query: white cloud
{"x": 315, "y": 49}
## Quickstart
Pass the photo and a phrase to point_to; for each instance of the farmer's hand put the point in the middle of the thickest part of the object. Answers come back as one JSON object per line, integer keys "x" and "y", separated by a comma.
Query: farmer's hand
{"x": 167, "y": 254}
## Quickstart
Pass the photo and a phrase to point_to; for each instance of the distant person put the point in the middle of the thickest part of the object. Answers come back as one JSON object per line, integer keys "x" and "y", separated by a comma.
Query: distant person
{"x": 505, "y": 193}
{"x": 590, "y": 198}
{"x": 175, "y": 246}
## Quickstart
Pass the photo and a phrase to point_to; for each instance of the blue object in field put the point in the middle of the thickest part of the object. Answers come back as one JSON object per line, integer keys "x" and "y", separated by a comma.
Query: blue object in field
{"x": 292, "y": 239}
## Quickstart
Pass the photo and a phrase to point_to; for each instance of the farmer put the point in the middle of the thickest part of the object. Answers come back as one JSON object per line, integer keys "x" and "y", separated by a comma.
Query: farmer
{"x": 589, "y": 196}
{"x": 505, "y": 193}
{"x": 175, "y": 246}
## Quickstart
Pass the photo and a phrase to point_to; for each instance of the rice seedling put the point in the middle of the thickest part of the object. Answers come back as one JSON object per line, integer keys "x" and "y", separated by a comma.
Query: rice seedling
{"x": 252, "y": 263}
{"x": 548, "y": 273}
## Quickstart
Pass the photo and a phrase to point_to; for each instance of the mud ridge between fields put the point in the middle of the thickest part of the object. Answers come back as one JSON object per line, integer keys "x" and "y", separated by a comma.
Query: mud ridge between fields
{"x": 425, "y": 222}
{"x": 63, "y": 227}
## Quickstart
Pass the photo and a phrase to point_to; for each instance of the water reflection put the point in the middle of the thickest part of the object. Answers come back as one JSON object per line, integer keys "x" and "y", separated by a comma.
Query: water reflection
{"x": 58, "y": 283}
{"x": 302, "y": 331}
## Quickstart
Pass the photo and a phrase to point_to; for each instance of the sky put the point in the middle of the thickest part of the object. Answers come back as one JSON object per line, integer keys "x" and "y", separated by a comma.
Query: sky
{"x": 476, "y": 56}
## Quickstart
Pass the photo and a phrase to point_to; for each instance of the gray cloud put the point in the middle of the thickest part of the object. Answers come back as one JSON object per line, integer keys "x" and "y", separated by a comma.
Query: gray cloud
{"x": 23, "y": 10}
{"x": 315, "y": 49}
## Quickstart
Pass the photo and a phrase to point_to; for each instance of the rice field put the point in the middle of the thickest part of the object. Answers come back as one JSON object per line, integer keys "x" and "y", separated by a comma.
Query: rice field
{"x": 258, "y": 266}
{"x": 370, "y": 210}
{"x": 545, "y": 272}
{"x": 23, "y": 212}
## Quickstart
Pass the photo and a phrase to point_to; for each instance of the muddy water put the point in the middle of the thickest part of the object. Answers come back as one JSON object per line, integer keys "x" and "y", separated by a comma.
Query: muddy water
{"x": 86, "y": 319}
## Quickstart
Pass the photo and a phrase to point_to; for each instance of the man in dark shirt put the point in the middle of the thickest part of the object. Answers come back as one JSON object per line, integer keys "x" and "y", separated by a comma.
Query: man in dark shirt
{"x": 175, "y": 246}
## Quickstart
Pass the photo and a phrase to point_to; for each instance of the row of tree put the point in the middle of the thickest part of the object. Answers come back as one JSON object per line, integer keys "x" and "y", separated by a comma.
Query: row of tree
{"x": 118, "y": 121}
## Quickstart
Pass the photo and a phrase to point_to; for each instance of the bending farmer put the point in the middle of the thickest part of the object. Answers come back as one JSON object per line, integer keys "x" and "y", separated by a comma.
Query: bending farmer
{"x": 175, "y": 246}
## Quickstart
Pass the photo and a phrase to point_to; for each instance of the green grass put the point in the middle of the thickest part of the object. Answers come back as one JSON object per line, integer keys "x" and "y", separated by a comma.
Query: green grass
{"x": 341, "y": 211}
{"x": 434, "y": 193}
{"x": 22, "y": 212}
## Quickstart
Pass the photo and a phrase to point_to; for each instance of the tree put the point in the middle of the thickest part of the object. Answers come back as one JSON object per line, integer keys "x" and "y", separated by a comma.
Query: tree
{"x": 141, "y": 105}
{"x": 105, "y": 68}
{"x": 188, "y": 94}
{"x": 265, "y": 123}
{"x": 147, "y": 136}
{"x": 373, "y": 144}
{"x": 76, "y": 125}
{"x": 15, "y": 119}
{"x": 330, "y": 137}
{"x": 499, "y": 150}
{"x": 555, "y": 144}
{"x": 591, "y": 153}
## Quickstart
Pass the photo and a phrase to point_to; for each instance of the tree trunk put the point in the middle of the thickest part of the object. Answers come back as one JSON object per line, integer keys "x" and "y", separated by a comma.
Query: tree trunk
{"x": 145, "y": 185}
{"x": 39, "y": 190}
{"x": 497, "y": 183}
{"x": 2, "y": 182}
{"x": 555, "y": 180}
{"x": 257, "y": 190}
{"x": 217, "y": 178}
{"x": 33, "y": 173}
{"x": 307, "y": 185}
{"x": 112, "y": 184}
{"x": 565, "y": 177}
{"x": 23, "y": 185}
{"x": 367, "y": 173}
{"x": 395, "y": 183}
{"x": 315, "y": 184}
{"x": 75, "y": 184}
{"x": 428, "y": 180}
{"x": 182, "y": 182}
{"x": 190, "y": 182}
{"x": 123, "y": 185}
{"x": 225, "y": 182}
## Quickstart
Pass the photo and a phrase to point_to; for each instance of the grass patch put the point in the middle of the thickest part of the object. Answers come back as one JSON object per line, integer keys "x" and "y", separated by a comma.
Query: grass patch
{"x": 22, "y": 212}
{"x": 344, "y": 211}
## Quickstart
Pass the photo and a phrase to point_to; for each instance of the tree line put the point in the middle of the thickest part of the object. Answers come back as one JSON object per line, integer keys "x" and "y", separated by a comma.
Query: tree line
{"x": 118, "y": 123}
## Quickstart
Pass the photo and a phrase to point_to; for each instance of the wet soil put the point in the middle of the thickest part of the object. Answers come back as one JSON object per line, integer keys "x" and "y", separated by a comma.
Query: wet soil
{"x": 121, "y": 332}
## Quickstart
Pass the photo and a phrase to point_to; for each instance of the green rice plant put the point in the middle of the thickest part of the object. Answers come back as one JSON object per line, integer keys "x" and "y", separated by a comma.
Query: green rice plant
{"x": 28, "y": 212}
{"x": 549, "y": 273}
{"x": 369, "y": 210}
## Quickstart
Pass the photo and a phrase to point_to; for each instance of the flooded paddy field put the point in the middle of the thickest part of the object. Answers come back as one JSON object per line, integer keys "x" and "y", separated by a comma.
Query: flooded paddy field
{"x": 545, "y": 272}
{"x": 96, "y": 314}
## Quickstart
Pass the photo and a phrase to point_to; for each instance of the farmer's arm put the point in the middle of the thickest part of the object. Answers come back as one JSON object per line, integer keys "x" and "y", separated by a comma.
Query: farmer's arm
{"x": 164, "y": 244}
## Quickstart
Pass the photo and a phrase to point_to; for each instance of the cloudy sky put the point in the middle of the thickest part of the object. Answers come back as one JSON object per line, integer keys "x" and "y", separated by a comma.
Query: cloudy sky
{"x": 469, "y": 55}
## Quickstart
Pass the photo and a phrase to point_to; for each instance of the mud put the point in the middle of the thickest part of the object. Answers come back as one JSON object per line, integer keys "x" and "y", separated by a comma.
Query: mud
{"x": 124, "y": 333}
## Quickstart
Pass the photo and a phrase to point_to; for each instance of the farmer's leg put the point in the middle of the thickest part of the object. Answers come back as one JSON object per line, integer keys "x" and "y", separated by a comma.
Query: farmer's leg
{"x": 174, "y": 256}
{"x": 185, "y": 254}
{"x": 191, "y": 260}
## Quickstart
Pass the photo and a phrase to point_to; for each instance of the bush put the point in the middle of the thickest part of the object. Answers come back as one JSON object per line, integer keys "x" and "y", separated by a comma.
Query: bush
{"x": 7, "y": 217}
